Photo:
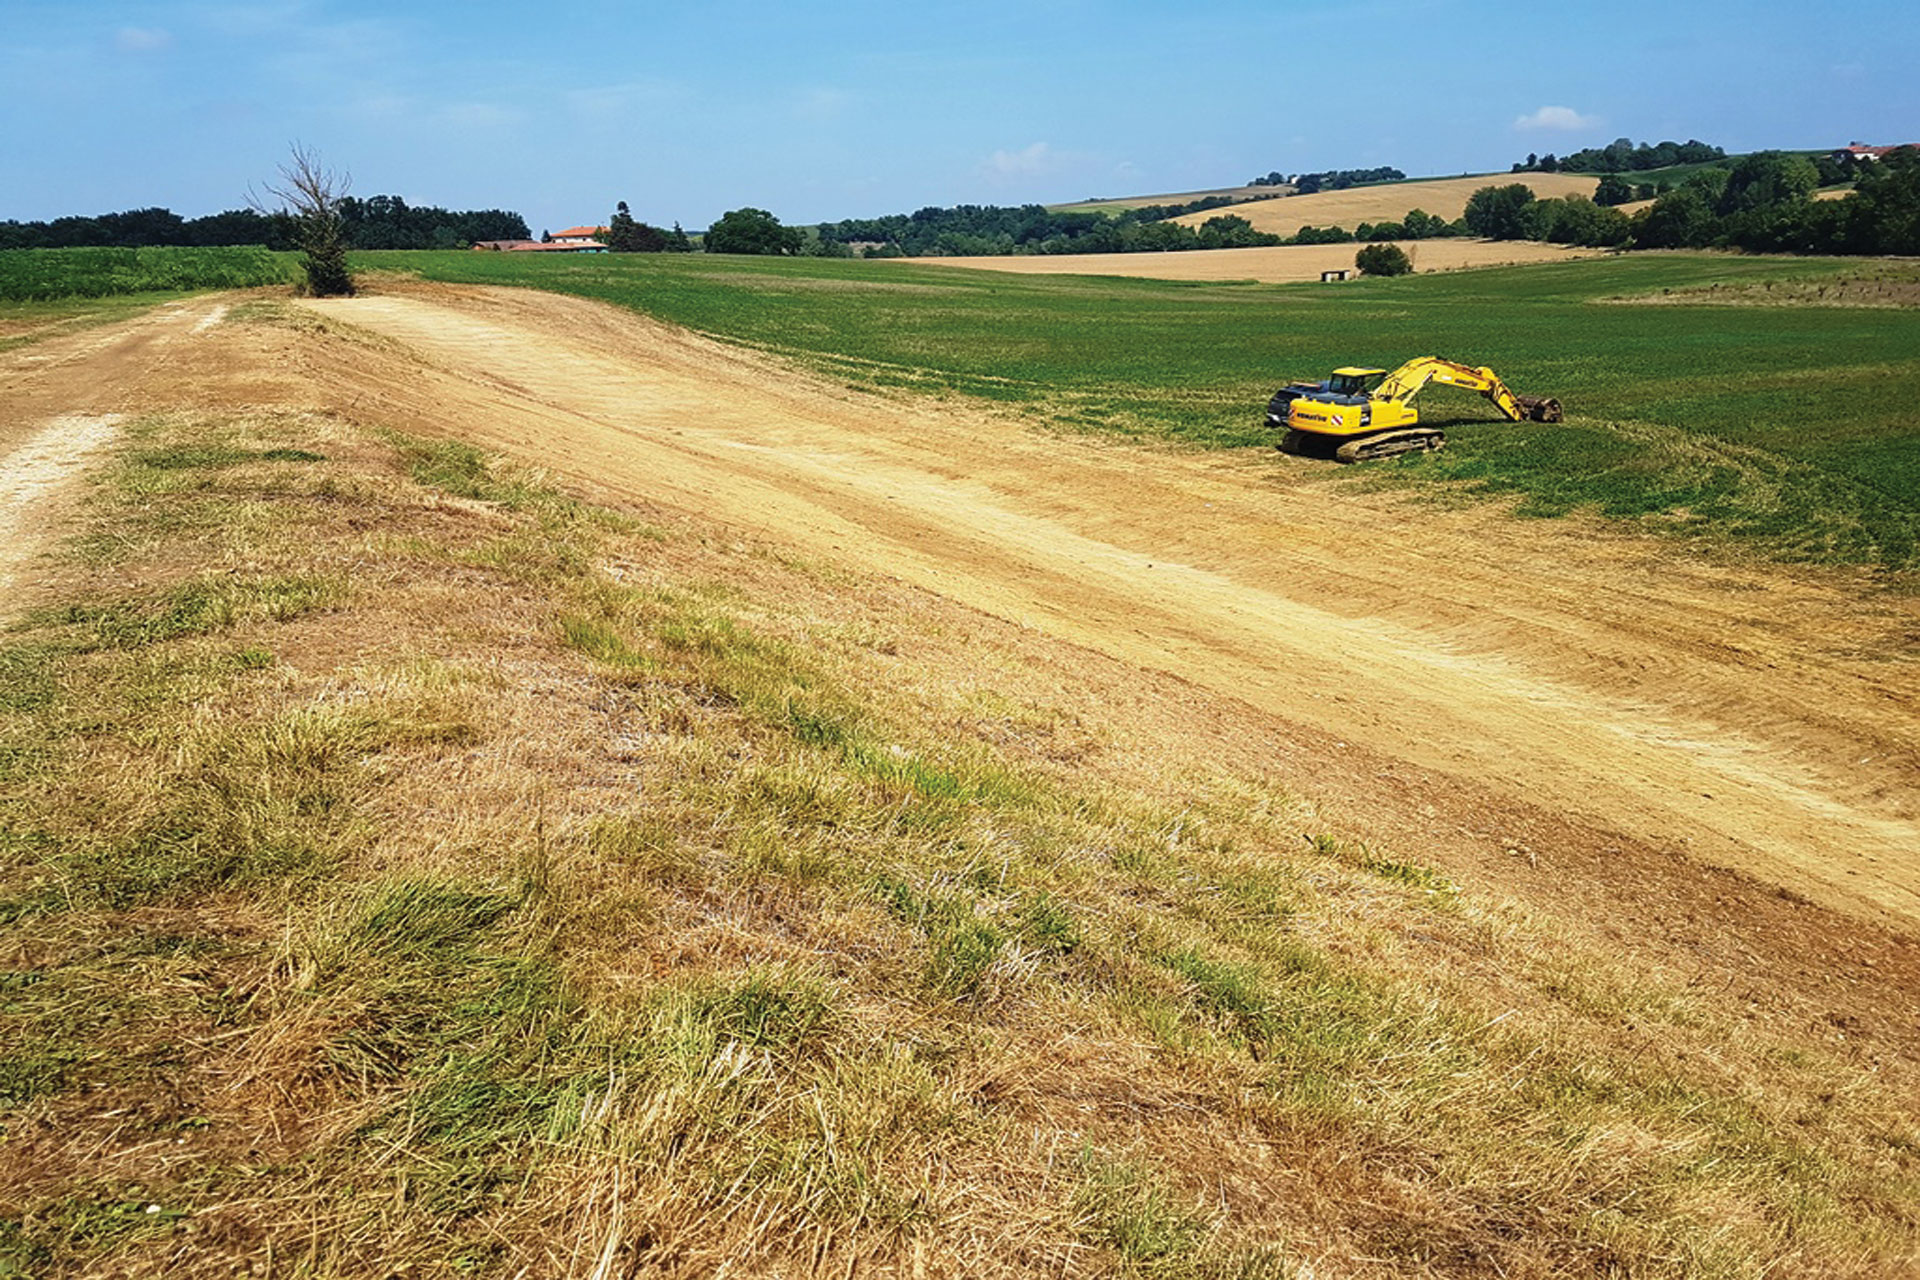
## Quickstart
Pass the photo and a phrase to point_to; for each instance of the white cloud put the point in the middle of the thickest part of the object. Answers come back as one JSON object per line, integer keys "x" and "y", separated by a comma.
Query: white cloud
{"x": 1024, "y": 163}
{"x": 1562, "y": 119}
{"x": 141, "y": 39}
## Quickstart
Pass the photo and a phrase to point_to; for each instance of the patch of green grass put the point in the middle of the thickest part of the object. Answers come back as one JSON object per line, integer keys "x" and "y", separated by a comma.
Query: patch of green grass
{"x": 963, "y": 941}
{"x": 199, "y": 606}
{"x": 466, "y": 472}
{"x": 182, "y": 457}
{"x": 1795, "y": 428}
{"x": 27, "y": 680}
{"x": 1130, "y": 1211}
{"x": 44, "y": 274}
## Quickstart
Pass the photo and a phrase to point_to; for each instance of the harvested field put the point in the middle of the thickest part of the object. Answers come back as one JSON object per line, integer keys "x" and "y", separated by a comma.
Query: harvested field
{"x": 1281, "y": 264}
{"x": 1442, "y": 197}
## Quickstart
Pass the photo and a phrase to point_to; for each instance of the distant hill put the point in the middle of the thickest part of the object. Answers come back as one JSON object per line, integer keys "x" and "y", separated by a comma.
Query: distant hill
{"x": 1176, "y": 197}
{"x": 1391, "y": 201}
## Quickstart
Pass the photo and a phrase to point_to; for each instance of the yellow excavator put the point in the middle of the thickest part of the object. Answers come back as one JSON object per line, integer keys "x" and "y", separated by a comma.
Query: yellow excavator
{"x": 1359, "y": 414}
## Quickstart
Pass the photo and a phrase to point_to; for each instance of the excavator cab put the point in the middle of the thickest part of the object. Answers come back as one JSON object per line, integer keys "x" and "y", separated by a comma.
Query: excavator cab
{"x": 1355, "y": 382}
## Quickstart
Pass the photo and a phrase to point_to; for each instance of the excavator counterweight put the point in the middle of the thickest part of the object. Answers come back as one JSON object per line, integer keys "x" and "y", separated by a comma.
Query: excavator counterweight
{"x": 1360, "y": 414}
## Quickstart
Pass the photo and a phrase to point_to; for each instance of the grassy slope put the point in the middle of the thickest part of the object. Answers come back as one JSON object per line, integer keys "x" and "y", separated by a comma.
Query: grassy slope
{"x": 407, "y": 870}
{"x": 1798, "y": 426}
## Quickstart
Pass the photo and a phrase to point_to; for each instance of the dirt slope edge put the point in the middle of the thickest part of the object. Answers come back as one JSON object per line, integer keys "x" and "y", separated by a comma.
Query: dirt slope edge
{"x": 1569, "y": 670}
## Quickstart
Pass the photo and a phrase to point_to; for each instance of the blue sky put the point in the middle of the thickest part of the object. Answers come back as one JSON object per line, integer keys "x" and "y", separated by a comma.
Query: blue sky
{"x": 866, "y": 107}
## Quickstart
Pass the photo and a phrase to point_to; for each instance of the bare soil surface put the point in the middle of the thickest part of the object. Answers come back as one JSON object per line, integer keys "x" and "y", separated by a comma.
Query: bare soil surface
{"x": 61, "y": 401}
{"x": 1710, "y": 763}
{"x": 1275, "y": 264}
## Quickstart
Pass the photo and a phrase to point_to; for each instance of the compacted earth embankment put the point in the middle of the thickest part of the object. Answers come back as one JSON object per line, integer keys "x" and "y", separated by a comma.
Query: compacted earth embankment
{"x": 494, "y": 785}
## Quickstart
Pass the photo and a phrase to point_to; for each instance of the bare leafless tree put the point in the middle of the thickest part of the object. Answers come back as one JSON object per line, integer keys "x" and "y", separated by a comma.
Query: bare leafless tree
{"x": 310, "y": 193}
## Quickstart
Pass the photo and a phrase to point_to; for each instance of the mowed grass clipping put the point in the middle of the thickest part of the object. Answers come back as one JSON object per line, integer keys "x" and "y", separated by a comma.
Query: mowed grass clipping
{"x": 1795, "y": 427}
{"x": 406, "y": 869}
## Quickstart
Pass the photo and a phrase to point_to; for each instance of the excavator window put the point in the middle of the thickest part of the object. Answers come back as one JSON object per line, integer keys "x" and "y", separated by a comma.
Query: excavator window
{"x": 1355, "y": 384}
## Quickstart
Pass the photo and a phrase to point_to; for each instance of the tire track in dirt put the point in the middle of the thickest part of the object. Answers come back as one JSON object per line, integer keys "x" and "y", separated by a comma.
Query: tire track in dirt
{"x": 61, "y": 404}
{"x": 1748, "y": 715}
{"x": 31, "y": 474}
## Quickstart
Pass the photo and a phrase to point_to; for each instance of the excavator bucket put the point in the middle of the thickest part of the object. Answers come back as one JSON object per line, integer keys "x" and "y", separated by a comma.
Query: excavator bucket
{"x": 1540, "y": 408}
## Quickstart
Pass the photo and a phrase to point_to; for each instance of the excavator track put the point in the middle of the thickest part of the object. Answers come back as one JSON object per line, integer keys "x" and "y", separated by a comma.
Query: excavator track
{"x": 1389, "y": 444}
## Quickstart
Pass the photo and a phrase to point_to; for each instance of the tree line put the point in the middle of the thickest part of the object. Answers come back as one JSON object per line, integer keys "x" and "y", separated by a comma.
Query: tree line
{"x": 1305, "y": 184}
{"x": 1623, "y": 155}
{"x": 626, "y": 234}
{"x": 1762, "y": 203}
{"x": 973, "y": 230}
{"x": 377, "y": 222}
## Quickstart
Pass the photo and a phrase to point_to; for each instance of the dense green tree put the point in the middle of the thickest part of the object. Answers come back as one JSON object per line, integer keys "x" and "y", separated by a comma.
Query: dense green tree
{"x": 1765, "y": 178}
{"x": 1577, "y": 220}
{"x": 1623, "y": 155}
{"x": 1320, "y": 235}
{"x": 751, "y": 230}
{"x": 1500, "y": 213}
{"x": 1888, "y": 207}
{"x": 1421, "y": 225}
{"x": 623, "y": 233}
{"x": 1231, "y": 231}
{"x": 1383, "y": 260}
{"x": 1681, "y": 219}
{"x": 1613, "y": 189}
{"x": 1836, "y": 169}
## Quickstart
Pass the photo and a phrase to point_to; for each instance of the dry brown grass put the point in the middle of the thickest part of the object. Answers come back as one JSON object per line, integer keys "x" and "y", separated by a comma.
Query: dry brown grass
{"x": 407, "y": 870}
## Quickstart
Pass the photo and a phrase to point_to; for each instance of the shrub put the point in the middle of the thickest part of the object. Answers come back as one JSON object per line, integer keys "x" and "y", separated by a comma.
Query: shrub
{"x": 1383, "y": 260}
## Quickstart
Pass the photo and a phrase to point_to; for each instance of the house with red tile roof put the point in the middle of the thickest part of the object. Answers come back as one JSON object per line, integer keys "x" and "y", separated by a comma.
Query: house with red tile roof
{"x": 1861, "y": 151}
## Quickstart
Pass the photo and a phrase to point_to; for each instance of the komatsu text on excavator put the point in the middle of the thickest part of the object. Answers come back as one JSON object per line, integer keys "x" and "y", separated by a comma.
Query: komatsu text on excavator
{"x": 1359, "y": 414}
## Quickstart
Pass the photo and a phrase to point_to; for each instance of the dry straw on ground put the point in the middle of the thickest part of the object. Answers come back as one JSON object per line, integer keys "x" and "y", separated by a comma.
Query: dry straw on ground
{"x": 411, "y": 870}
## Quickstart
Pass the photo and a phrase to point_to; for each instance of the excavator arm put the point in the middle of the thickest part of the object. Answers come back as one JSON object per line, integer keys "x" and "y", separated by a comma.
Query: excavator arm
{"x": 1405, "y": 382}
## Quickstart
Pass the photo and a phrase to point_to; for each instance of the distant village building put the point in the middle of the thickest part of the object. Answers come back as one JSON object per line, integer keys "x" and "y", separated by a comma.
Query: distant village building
{"x": 1861, "y": 151}
{"x": 572, "y": 240}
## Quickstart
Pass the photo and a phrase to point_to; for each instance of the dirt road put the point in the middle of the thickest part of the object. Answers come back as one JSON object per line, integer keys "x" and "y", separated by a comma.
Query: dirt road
{"x": 1743, "y": 715}
{"x": 61, "y": 403}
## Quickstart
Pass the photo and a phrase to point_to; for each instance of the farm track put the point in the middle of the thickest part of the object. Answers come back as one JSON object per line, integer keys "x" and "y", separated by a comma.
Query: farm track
{"x": 1592, "y": 722}
{"x": 1750, "y": 717}
{"x": 61, "y": 401}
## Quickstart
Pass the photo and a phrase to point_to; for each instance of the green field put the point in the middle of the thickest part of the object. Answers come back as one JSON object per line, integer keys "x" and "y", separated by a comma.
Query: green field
{"x": 39, "y": 275}
{"x": 1793, "y": 426}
